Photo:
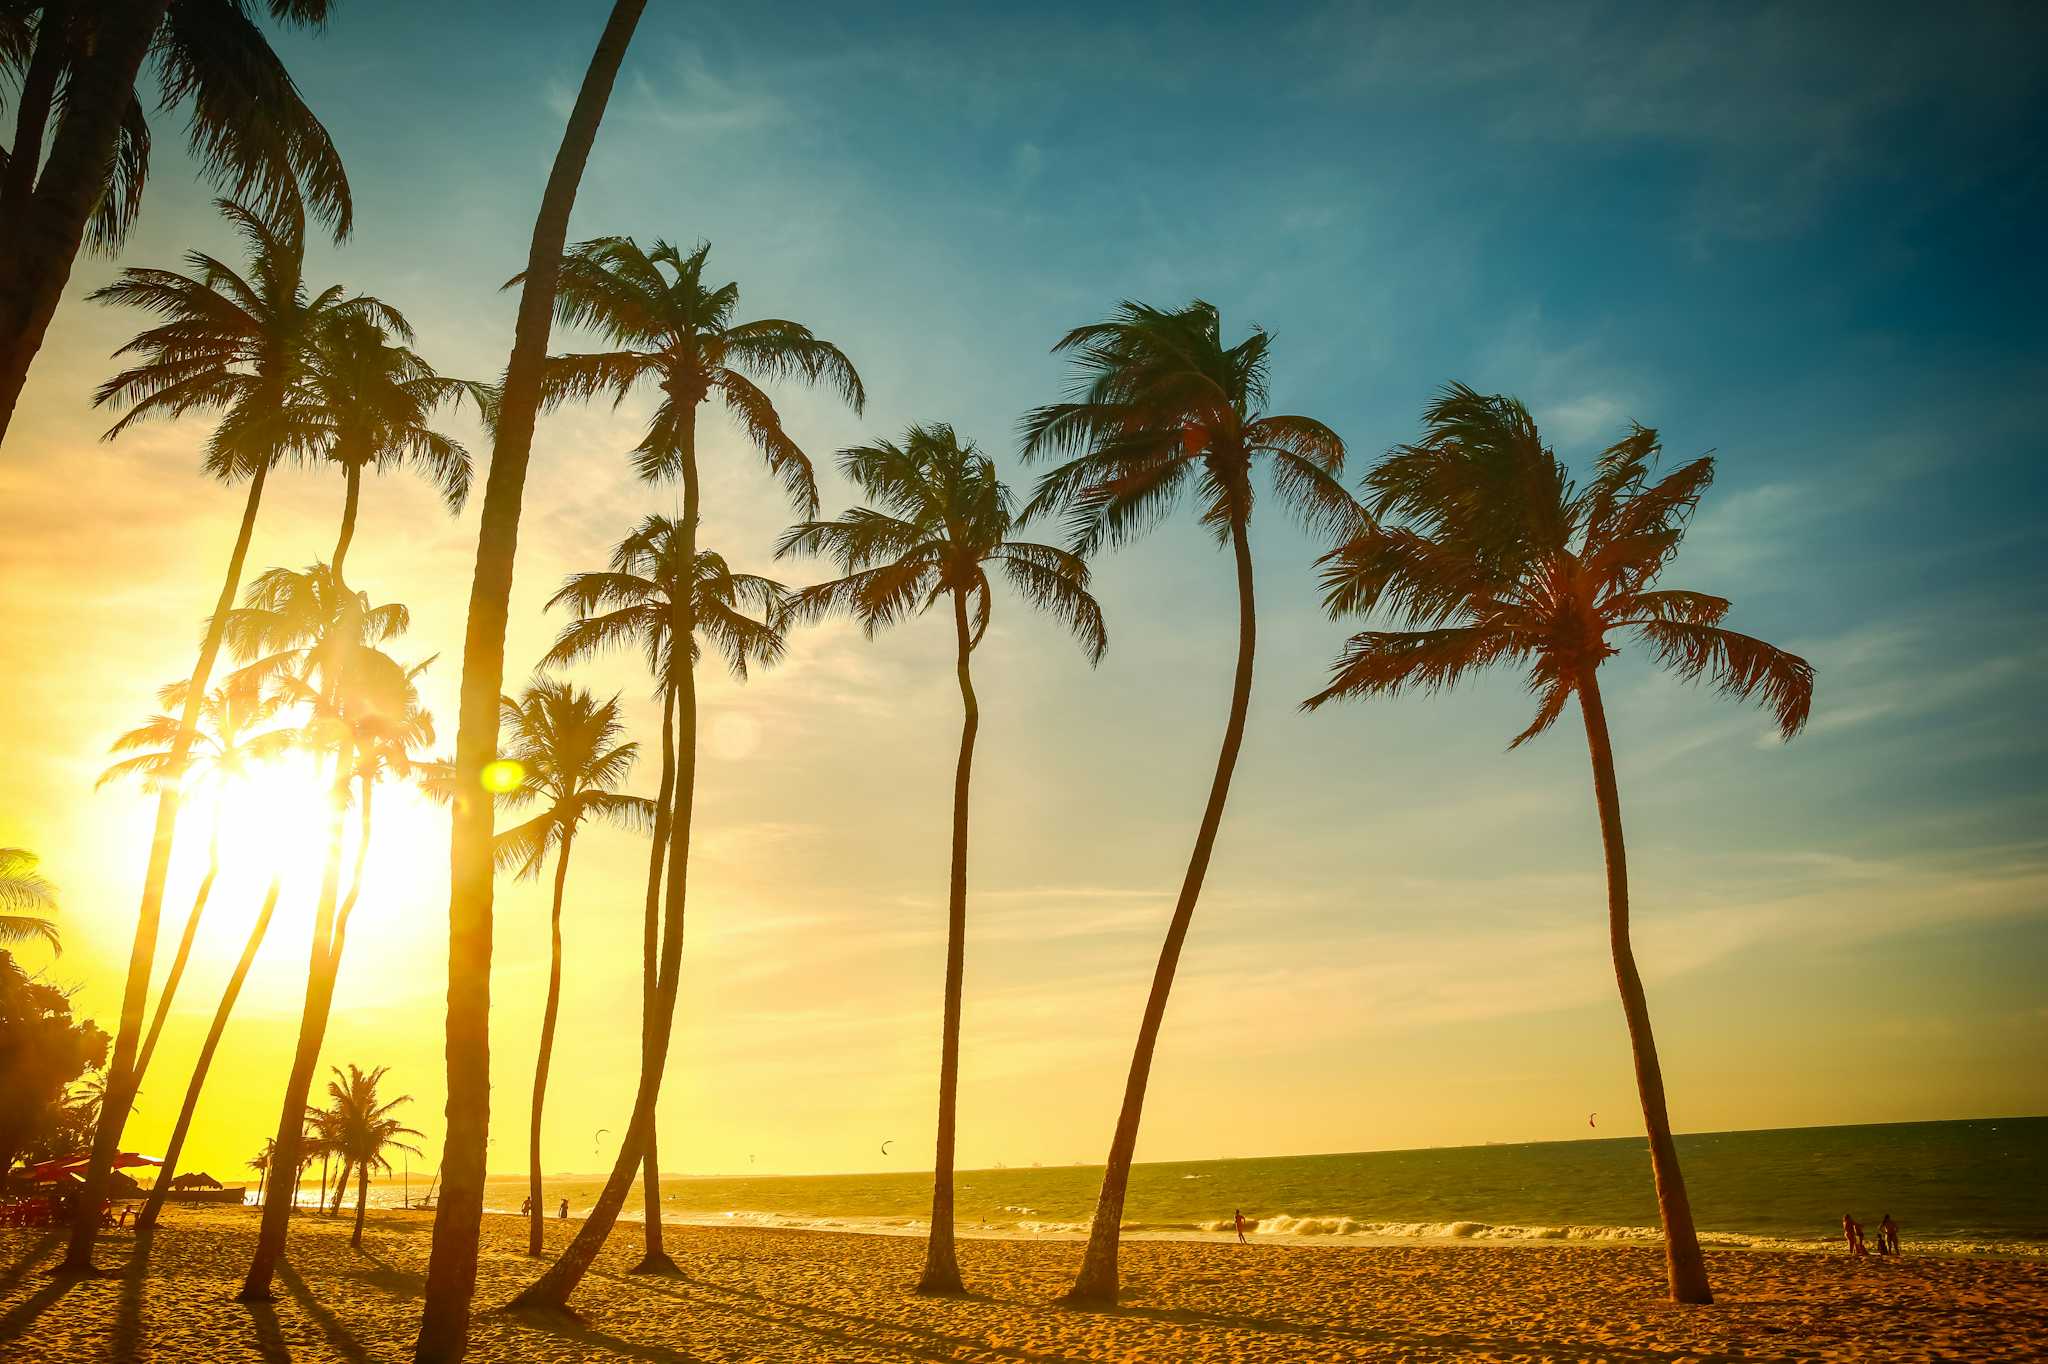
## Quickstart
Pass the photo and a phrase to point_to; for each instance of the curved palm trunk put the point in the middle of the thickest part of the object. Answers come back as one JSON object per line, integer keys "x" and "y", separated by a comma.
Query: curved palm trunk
{"x": 262, "y": 1181}
{"x": 655, "y": 1260}
{"x": 941, "y": 1265}
{"x": 362, "y": 1198}
{"x": 547, "y": 1045}
{"x": 1684, "y": 1267}
{"x": 32, "y": 113}
{"x": 551, "y": 1291}
{"x": 1096, "y": 1285}
{"x": 332, "y": 1204}
{"x": 121, "y": 1069}
{"x": 184, "y": 953}
{"x": 351, "y": 507}
{"x": 320, "y": 972}
{"x": 451, "y": 1269}
{"x": 193, "y": 1086}
{"x": 39, "y": 239}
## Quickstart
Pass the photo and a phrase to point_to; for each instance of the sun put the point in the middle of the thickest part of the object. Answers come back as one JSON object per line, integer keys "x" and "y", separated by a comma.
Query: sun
{"x": 273, "y": 817}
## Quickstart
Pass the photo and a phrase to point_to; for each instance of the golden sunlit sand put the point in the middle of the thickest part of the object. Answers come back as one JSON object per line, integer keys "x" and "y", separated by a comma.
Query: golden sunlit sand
{"x": 750, "y": 1295}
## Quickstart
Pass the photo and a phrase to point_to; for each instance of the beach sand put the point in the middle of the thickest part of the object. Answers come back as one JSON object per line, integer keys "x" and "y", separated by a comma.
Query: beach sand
{"x": 760, "y": 1295}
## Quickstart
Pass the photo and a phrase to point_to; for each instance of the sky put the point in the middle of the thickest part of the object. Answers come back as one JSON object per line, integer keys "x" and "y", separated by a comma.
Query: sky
{"x": 1804, "y": 238}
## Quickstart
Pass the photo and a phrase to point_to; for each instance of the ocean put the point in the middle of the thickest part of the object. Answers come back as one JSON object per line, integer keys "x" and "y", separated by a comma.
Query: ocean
{"x": 1971, "y": 1186}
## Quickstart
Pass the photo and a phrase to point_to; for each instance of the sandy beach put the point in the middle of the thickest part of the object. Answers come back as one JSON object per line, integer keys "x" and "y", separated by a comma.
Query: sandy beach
{"x": 759, "y": 1295}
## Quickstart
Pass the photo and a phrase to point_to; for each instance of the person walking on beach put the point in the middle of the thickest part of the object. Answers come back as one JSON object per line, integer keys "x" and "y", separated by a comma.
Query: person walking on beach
{"x": 1852, "y": 1232}
{"x": 562, "y": 1213}
{"x": 1888, "y": 1236}
{"x": 526, "y": 1206}
{"x": 1240, "y": 1228}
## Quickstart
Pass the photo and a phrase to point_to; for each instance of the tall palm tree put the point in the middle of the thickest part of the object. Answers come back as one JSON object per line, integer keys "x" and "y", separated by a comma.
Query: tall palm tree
{"x": 1482, "y": 551}
{"x": 236, "y": 345}
{"x": 320, "y": 638}
{"x": 228, "y": 739}
{"x": 458, "y": 1216}
{"x": 566, "y": 743}
{"x": 364, "y": 1131}
{"x": 26, "y": 899}
{"x": 938, "y": 518}
{"x": 260, "y": 1163}
{"x": 1161, "y": 407}
{"x": 79, "y": 63}
{"x": 669, "y": 328}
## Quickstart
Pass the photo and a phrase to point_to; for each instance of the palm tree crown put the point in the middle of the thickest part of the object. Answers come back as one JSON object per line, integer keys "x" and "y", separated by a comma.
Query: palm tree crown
{"x": 668, "y": 326}
{"x": 26, "y": 897}
{"x": 362, "y": 1126}
{"x": 940, "y": 517}
{"x": 566, "y": 743}
{"x": 227, "y": 740}
{"x": 1160, "y": 404}
{"x": 1480, "y": 546}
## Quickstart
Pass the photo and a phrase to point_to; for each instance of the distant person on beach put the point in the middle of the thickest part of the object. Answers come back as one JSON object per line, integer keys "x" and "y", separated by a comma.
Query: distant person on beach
{"x": 526, "y": 1206}
{"x": 1852, "y": 1232}
{"x": 562, "y": 1213}
{"x": 1240, "y": 1228}
{"x": 1888, "y": 1236}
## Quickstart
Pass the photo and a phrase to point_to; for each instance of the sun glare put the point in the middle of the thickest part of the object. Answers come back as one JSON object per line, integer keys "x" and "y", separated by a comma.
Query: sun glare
{"x": 271, "y": 819}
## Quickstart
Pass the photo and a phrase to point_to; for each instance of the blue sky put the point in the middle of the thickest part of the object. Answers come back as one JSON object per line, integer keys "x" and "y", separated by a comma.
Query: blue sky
{"x": 1803, "y": 237}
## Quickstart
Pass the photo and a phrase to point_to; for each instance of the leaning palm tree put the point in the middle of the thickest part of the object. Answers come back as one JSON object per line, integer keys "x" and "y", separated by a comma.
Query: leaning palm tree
{"x": 458, "y": 1216}
{"x": 566, "y": 743}
{"x": 260, "y": 1163}
{"x": 938, "y": 519}
{"x": 77, "y": 67}
{"x": 229, "y": 738}
{"x": 1481, "y": 550}
{"x": 26, "y": 900}
{"x": 364, "y": 1131}
{"x": 235, "y": 343}
{"x": 1161, "y": 407}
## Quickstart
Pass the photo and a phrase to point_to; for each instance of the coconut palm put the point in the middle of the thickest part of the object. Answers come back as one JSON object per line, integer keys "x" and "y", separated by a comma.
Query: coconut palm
{"x": 319, "y": 638}
{"x": 26, "y": 899}
{"x": 566, "y": 743}
{"x": 364, "y": 1131}
{"x": 669, "y": 328}
{"x": 458, "y": 1216}
{"x": 938, "y": 519}
{"x": 237, "y": 344}
{"x": 260, "y": 1163}
{"x": 229, "y": 738}
{"x": 1481, "y": 550}
{"x": 79, "y": 66}
{"x": 1160, "y": 407}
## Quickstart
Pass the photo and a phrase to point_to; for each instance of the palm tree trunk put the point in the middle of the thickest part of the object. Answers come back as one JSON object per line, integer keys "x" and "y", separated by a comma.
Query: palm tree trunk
{"x": 321, "y": 1206}
{"x": 121, "y": 1076}
{"x": 551, "y": 1291}
{"x": 451, "y": 1269}
{"x": 351, "y": 505}
{"x": 184, "y": 953}
{"x": 547, "y": 1044}
{"x": 32, "y": 112}
{"x": 1684, "y": 1266}
{"x": 333, "y": 1203}
{"x": 320, "y": 970}
{"x": 941, "y": 1265}
{"x": 362, "y": 1198}
{"x": 39, "y": 243}
{"x": 654, "y": 1259}
{"x": 206, "y": 1051}
{"x": 1096, "y": 1285}
{"x": 262, "y": 1179}
{"x": 355, "y": 880}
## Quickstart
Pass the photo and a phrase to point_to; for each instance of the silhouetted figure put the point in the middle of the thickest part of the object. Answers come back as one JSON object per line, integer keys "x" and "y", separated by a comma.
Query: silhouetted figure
{"x": 1240, "y": 1227}
{"x": 526, "y": 1206}
{"x": 1852, "y": 1232}
{"x": 562, "y": 1213}
{"x": 1888, "y": 1236}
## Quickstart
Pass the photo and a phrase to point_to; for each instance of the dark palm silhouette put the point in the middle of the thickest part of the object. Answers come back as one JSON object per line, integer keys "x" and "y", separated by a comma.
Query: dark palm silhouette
{"x": 1160, "y": 407}
{"x": 458, "y": 1215}
{"x": 1483, "y": 550}
{"x": 77, "y": 66}
{"x": 566, "y": 743}
{"x": 364, "y": 1131}
{"x": 27, "y": 899}
{"x": 938, "y": 519}
{"x": 236, "y": 345}
{"x": 669, "y": 328}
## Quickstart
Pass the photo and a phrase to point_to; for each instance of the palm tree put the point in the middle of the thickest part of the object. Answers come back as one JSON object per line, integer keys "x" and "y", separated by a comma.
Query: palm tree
{"x": 939, "y": 518}
{"x": 260, "y": 1163}
{"x": 1161, "y": 406}
{"x": 320, "y": 638}
{"x": 26, "y": 898}
{"x": 669, "y": 328}
{"x": 248, "y": 130}
{"x": 566, "y": 743}
{"x": 364, "y": 1131}
{"x": 458, "y": 1216}
{"x": 226, "y": 741}
{"x": 235, "y": 345}
{"x": 1481, "y": 550}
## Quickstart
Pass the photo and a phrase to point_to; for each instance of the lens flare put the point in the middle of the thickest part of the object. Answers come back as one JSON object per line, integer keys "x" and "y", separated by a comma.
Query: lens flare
{"x": 502, "y": 776}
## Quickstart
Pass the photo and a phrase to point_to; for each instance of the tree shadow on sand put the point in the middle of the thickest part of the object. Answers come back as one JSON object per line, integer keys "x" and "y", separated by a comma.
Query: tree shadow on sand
{"x": 339, "y": 1336}
{"x": 30, "y": 1258}
{"x": 134, "y": 1286}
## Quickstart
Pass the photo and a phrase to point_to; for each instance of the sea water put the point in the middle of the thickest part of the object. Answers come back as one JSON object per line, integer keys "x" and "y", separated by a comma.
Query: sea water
{"x": 1978, "y": 1185}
